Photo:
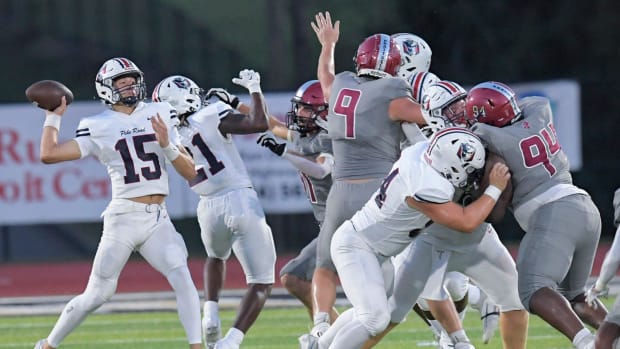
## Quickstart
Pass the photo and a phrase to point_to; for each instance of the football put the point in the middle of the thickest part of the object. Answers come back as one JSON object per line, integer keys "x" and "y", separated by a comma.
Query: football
{"x": 46, "y": 94}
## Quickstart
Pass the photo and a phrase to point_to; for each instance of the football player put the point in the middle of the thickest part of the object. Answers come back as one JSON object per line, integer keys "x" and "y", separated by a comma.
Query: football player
{"x": 609, "y": 331}
{"x": 365, "y": 111}
{"x": 229, "y": 212}
{"x": 418, "y": 189}
{"x": 134, "y": 140}
{"x": 311, "y": 155}
{"x": 562, "y": 225}
{"x": 415, "y": 55}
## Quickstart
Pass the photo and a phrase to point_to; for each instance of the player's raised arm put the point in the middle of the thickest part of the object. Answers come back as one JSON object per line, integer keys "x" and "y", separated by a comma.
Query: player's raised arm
{"x": 256, "y": 119}
{"x": 178, "y": 157}
{"x": 328, "y": 35}
{"x": 50, "y": 151}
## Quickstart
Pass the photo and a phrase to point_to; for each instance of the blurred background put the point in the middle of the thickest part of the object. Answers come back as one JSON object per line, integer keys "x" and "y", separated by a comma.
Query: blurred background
{"x": 472, "y": 41}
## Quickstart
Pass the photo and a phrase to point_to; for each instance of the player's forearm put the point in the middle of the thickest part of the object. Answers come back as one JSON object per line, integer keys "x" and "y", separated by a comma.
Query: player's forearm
{"x": 326, "y": 70}
{"x": 259, "y": 119}
{"x": 310, "y": 168}
{"x": 184, "y": 165}
{"x": 610, "y": 263}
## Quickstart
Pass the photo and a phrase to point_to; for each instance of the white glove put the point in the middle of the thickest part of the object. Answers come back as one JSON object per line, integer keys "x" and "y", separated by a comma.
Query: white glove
{"x": 249, "y": 79}
{"x": 592, "y": 294}
{"x": 224, "y": 96}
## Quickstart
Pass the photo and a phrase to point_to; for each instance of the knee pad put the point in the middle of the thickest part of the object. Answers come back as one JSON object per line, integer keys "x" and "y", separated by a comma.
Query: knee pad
{"x": 457, "y": 285}
{"x": 375, "y": 322}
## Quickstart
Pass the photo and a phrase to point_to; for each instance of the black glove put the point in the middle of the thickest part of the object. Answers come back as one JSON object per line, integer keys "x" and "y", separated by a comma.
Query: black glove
{"x": 268, "y": 141}
{"x": 224, "y": 96}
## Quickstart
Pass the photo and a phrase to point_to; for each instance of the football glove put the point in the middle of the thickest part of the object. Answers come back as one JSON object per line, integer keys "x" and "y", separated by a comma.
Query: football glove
{"x": 249, "y": 79}
{"x": 224, "y": 96}
{"x": 268, "y": 141}
{"x": 592, "y": 294}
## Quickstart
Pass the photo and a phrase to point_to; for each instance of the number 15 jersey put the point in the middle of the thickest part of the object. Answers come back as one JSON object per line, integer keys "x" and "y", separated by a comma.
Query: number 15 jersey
{"x": 218, "y": 163}
{"x": 127, "y": 146}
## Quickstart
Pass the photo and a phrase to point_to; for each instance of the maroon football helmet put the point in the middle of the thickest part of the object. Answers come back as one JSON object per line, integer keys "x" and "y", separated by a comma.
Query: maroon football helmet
{"x": 492, "y": 103}
{"x": 377, "y": 56}
{"x": 309, "y": 96}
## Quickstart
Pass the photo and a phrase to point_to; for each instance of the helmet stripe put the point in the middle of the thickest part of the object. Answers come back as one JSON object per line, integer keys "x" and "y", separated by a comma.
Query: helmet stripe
{"x": 384, "y": 52}
{"x": 448, "y": 86}
{"x": 446, "y": 131}
{"x": 124, "y": 62}
{"x": 418, "y": 82}
{"x": 496, "y": 86}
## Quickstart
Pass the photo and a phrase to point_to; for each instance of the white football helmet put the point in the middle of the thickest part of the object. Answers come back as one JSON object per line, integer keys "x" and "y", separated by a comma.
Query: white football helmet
{"x": 113, "y": 69}
{"x": 443, "y": 105}
{"x": 181, "y": 92}
{"x": 419, "y": 82}
{"x": 415, "y": 54}
{"x": 457, "y": 154}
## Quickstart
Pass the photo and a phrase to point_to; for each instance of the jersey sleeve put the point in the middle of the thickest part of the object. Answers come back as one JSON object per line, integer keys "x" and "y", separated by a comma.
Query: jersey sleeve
{"x": 398, "y": 88}
{"x": 222, "y": 109}
{"x": 84, "y": 137}
{"x": 435, "y": 194}
{"x": 488, "y": 134}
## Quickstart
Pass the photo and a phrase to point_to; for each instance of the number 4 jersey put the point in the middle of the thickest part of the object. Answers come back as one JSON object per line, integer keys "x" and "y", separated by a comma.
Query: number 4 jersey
{"x": 218, "y": 163}
{"x": 127, "y": 146}
{"x": 538, "y": 165}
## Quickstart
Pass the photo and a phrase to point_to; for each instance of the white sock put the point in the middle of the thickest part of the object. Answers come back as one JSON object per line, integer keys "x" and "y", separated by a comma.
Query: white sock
{"x": 212, "y": 309}
{"x": 235, "y": 335}
{"x": 321, "y": 317}
{"x": 459, "y": 336}
{"x": 579, "y": 339}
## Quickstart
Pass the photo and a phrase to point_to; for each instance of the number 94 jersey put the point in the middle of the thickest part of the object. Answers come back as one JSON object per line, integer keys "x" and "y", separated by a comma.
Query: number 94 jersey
{"x": 531, "y": 150}
{"x": 219, "y": 166}
{"x": 127, "y": 146}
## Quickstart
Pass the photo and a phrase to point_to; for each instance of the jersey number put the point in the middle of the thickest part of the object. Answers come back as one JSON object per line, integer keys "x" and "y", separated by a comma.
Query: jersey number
{"x": 130, "y": 169}
{"x": 380, "y": 198}
{"x": 346, "y": 103}
{"x": 215, "y": 165}
{"x": 538, "y": 149}
{"x": 308, "y": 187}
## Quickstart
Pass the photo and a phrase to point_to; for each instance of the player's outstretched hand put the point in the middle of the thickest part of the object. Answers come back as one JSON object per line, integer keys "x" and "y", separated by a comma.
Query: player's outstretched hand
{"x": 268, "y": 141}
{"x": 326, "y": 32}
{"x": 499, "y": 176}
{"x": 249, "y": 79}
{"x": 224, "y": 96}
{"x": 161, "y": 130}
{"x": 592, "y": 294}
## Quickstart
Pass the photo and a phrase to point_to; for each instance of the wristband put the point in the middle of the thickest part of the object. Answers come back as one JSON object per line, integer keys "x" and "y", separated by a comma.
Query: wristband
{"x": 493, "y": 191}
{"x": 52, "y": 120}
{"x": 235, "y": 102}
{"x": 171, "y": 152}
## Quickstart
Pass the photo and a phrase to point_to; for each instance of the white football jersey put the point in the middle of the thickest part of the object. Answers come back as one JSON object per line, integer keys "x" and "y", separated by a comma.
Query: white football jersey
{"x": 386, "y": 221}
{"x": 127, "y": 146}
{"x": 218, "y": 163}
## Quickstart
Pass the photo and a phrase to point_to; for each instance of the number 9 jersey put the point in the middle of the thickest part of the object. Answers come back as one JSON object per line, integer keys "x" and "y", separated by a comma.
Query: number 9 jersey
{"x": 127, "y": 146}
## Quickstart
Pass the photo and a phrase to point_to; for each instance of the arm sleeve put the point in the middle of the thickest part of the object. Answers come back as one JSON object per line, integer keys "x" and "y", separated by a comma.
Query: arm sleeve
{"x": 610, "y": 264}
{"x": 311, "y": 168}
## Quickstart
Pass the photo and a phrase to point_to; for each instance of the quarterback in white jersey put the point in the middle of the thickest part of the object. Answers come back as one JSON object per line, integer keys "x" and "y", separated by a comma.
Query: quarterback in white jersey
{"x": 417, "y": 191}
{"x": 133, "y": 140}
{"x": 229, "y": 212}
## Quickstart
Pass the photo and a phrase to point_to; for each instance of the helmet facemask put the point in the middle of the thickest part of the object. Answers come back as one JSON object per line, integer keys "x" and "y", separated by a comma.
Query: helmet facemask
{"x": 120, "y": 95}
{"x": 306, "y": 124}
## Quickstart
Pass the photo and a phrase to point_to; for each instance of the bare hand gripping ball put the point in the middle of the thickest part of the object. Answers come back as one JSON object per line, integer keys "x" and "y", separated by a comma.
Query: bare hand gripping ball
{"x": 46, "y": 94}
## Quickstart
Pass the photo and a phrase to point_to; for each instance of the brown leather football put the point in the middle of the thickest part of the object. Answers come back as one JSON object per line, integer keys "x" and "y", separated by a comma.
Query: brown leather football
{"x": 46, "y": 94}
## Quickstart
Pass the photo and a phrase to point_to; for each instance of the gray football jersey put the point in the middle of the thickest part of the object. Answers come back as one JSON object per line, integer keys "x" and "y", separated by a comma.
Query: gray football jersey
{"x": 365, "y": 141}
{"x": 531, "y": 150}
{"x": 316, "y": 189}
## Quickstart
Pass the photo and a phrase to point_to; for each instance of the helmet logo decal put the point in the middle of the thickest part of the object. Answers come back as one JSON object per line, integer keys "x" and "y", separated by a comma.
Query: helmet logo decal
{"x": 411, "y": 47}
{"x": 466, "y": 152}
{"x": 181, "y": 82}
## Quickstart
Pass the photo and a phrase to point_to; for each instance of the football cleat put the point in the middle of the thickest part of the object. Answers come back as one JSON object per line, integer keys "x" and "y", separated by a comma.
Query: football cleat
{"x": 211, "y": 331}
{"x": 463, "y": 345}
{"x": 225, "y": 344}
{"x": 308, "y": 341}
{"x": 40, "y": 344}
{"x": 319, "y": 329}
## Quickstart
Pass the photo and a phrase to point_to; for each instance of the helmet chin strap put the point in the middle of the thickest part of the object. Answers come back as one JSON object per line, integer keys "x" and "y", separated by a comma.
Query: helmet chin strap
{"x": 129, "y": 101}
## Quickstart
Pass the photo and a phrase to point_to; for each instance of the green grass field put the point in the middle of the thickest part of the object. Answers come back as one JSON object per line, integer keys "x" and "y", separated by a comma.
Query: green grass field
{"x": 275, "y": 328}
